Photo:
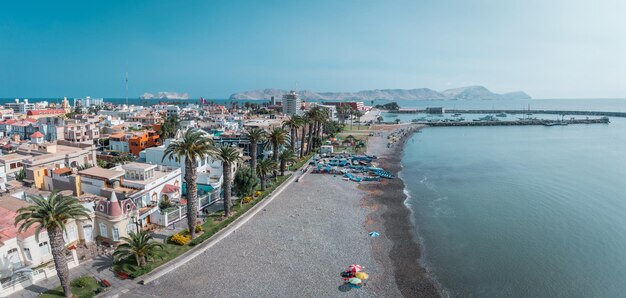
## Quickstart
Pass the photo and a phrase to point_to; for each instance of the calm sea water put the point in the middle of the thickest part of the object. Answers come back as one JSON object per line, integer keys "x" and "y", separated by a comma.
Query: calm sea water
{"x": 522, "y": 211}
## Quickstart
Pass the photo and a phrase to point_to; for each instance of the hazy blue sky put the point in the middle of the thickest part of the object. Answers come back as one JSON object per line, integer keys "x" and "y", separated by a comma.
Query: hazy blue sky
{"x": 549, "y": 49}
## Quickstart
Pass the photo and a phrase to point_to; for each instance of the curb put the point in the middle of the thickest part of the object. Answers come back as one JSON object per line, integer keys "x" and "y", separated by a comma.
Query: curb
{"x": 217, "y": 237}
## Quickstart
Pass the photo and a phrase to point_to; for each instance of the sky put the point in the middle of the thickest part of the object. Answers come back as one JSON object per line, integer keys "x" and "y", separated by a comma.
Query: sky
{"x": 549, "y": 49}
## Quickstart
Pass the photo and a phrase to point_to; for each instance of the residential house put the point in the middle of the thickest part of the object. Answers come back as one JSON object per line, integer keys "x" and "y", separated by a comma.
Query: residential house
{"x": 209, "y": 172}
{"x": 81, "y": 132}
{"x": 52, "y": 128}
{"x": 24, "y": 128}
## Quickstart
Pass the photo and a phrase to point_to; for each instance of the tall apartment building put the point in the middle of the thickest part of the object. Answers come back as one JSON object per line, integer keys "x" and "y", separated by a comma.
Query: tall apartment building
{"x": 292, "y": 104}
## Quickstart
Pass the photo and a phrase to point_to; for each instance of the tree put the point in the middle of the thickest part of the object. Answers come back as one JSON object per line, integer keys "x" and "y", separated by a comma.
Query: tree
{"x": 305, "y": 120}
{"x": 358, "y": 114}
{"x": 245, "y": 182}
{"x": 138, "y": 246}
{"x": 293, "y": 123}
{"x": 195, "y": 145}
{"x": 277, "y": 137}
{"x": 264, "y": 168}
{"x": 255, "y": 135}
{"x": 229, "y": 156}
{"x": 52, "y": 214}
{"x": 20, "y": 175}
{"x": 286, "y": 157}
{"x": 169, "y": 127}
{"x": 332, "y": 128}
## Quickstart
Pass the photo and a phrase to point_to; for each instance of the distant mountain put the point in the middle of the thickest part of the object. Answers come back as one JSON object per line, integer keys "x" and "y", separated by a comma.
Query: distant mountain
{"x": 165, "y": 95}
{"x": 463, "y": 93}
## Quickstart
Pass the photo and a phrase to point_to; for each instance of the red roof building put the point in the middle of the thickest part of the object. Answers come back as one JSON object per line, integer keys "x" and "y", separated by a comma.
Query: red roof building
{"x": 36, "y": 114}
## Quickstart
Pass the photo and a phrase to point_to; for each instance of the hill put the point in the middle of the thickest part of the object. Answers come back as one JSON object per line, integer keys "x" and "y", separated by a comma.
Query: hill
{"x": 463, "y": 93}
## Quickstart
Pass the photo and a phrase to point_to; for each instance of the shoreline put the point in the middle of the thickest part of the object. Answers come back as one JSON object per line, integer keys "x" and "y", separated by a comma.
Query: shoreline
{"x": 400, "y": 253}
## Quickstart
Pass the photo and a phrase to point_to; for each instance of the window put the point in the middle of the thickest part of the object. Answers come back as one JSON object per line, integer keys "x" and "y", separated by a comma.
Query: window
{"x": 116, "y": 234}
{"x": 103, "y": 231}
{"x": 44, "y": 249}
{"x": 27, "y": 254}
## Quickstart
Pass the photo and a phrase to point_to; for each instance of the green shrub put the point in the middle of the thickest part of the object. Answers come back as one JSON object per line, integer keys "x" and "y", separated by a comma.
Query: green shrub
{"x": 81, "y": 282}
{"x": 198, "y": 229}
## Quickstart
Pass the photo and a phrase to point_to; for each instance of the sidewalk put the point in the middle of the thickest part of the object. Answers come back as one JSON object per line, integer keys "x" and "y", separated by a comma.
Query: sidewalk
{"x": 100, "y": 266}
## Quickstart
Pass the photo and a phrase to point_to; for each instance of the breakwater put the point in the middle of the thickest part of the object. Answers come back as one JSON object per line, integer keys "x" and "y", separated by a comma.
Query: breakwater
{"x": 603, "y": 120}
{"x": 553, "y": 112}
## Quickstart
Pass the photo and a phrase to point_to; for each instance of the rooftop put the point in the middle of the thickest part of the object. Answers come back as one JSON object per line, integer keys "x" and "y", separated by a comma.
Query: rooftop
{"x": 102, "y": 173}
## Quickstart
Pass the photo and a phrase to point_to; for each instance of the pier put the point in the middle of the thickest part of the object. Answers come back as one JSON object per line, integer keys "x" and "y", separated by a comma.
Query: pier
{"x": 483, "y": 111}
{"x": 603, "y": 120}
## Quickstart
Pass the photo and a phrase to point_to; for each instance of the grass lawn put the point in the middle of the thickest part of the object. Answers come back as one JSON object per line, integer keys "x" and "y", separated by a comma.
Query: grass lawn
{"x": 89, "y": 287}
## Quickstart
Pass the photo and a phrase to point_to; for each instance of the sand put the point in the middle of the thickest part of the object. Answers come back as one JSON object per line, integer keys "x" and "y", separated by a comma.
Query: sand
{"x": 401, "y": 250}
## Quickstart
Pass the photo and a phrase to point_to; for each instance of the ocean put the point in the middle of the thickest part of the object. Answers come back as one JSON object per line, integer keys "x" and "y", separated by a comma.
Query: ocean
{"x": 526, "y": 211}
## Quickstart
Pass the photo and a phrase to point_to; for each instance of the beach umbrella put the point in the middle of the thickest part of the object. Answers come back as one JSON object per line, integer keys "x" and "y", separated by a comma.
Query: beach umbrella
{"x": 362, "y": 275}
{"x": 355, "y": 268}
{"x": 374, "y": 234}
{"x": 354, "y": 281}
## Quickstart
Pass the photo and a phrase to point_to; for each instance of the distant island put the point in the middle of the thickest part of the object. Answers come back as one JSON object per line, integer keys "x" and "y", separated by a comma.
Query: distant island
{"x": 462, "y": 93}
{"x": 165, "y": 95}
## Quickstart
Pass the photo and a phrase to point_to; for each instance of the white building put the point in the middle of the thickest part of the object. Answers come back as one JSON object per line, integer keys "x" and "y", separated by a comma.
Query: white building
{"x": 209, "y": 171}
{"x": 20, "y": 107}
{"x": 88, "y": 102}
{"x": 292, "y": 104}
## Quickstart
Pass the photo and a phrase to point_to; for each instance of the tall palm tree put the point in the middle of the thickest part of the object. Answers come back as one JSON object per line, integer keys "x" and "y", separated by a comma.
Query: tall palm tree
{"x": 140, "y": 246}
{"x": 286, "y": 157}
{"x": 293, "y": 123}
{"x": 255, "y": 135}
{"x": 264, "y": 168}
{"x": 304, "y": 121}
{"x": 229, "y": 157}
{"x": 52, "y": 214}
{"x": 278, "y": 137}
{"x": 195, "y": 145}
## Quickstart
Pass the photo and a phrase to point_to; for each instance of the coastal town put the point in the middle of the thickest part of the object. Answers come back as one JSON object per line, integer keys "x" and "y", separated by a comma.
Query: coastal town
{"x": 126, "y": 166}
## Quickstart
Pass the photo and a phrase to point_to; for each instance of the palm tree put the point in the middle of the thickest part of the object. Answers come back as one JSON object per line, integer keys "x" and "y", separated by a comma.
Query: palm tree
{"x": 195, "y": 145}
{"x": 138, "y": 245}
{"x": 278, "y": 137}
{"x": 52, "y": 214}
{"x": 286, "y": 157}
{"x": 304, "y": 122}
{"x": 294, "y": 123}
{"x": 229, "y": 156}
{"x": 264, "y": 168}
{"x": 255, "y": 135}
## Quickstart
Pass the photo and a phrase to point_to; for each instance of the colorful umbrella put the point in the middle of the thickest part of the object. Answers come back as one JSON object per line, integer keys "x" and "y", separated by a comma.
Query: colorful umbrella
{"x": 362, "y": 275}
{"x": 355, "y": 268}
{"x": 354, "y": 281}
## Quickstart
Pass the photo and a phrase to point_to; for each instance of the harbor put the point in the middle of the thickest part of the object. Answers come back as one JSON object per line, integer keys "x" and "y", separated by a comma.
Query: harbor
{"x": 496, "y": 122}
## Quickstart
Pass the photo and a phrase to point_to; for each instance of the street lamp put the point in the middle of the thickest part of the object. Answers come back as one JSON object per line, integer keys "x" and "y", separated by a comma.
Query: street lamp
{"x": 134, "y": 219}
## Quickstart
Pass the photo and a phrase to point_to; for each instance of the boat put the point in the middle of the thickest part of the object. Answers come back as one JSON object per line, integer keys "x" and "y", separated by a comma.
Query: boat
{"x": 488, "y": 118}
{"x": 501, "y": 115}
{"x": 456, "y": 114}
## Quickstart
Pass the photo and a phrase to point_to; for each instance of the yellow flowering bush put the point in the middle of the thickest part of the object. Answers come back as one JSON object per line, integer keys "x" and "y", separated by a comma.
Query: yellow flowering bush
{"x": 180, "y": 239}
